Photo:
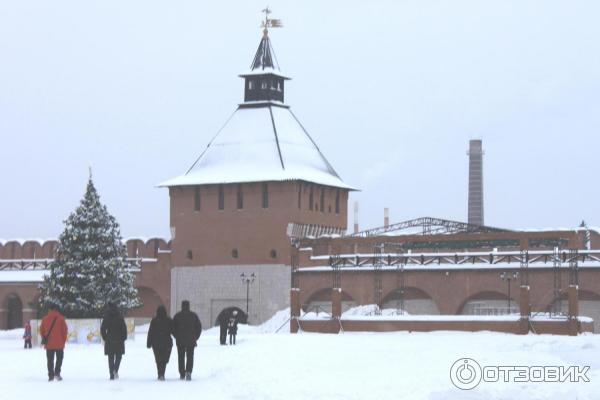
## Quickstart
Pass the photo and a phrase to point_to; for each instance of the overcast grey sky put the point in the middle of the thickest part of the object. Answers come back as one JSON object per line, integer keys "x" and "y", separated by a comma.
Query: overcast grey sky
{"x": 391, "y": 91}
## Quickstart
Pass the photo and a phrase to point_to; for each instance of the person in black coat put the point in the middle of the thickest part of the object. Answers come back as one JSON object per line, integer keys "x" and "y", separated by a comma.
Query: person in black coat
{"x": 159, "y": 339}
{"x": 223, "y": 322}
{"x": 232, "y": 327}
{"x": 114, "y": 334}
{"x": 186, "y": 329}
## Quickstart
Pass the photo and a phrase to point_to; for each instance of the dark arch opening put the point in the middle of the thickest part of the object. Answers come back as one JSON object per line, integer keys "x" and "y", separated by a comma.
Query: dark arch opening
{"x": 488, "y": 302}
{"x": 413, "y": 300}
{"x": 225, "y": 314}
{"x": 14, "y": 312}
{"x": 150, "y": 300}
{"x": 320, "y": 301}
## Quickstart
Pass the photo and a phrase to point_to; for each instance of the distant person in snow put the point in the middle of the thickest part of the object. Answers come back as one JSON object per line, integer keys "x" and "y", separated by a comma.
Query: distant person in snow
{"x": 232, "y": 327}
{"x": 159, "y": 339}
{"x": 54, "y": 333}
{"x": 223, "y": 322}
{"x": 27, "y": 335}
{"x": 114, "y": 334}
{"x": 186, "y": 329}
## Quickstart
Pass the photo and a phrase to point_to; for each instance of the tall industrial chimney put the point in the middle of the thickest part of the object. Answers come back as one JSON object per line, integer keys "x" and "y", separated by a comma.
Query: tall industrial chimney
{"x": 475, "y": 154}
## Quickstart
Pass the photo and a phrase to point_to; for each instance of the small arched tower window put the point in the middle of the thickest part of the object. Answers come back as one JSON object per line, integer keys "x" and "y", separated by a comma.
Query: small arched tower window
{"x": 322, "y": 200}
{"x": 197, "y": 198}
{"x": 221, "y": 197}
{"x": 265, "y": 195}
{"x": 240, "y": 197}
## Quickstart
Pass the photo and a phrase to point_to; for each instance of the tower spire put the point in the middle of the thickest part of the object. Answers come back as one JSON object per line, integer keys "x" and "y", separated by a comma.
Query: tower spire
{"x": 264, "y": 82}
{"x": 269, "y": 22}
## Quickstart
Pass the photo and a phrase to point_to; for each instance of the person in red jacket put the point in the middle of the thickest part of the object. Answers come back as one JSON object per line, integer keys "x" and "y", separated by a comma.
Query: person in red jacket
{"x": 27, "y": 335}
{"x": 54, "y": 328}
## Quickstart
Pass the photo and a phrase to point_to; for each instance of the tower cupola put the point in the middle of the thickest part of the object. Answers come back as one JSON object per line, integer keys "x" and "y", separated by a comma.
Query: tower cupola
{"x": 264, "y": 81}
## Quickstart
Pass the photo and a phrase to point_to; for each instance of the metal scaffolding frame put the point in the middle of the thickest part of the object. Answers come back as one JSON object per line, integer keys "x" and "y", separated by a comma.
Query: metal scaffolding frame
{"x": 429, "y": 226}
{"x": 573, "y": 267}
{"x": 393, "y": 259}
{"x": 557, "y": 275}
{"x": 335, "y": 261}
{"x": 400, "y": 285}
{"x": 377, "y": 282}
{"x": 524, "y": 268}
{"x": 42, "y": 264}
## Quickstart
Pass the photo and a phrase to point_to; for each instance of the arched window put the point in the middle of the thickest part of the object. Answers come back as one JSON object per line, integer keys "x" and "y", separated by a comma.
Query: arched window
{"x": 221, "y": 198}
{"x": 197, "y": 198}
{"x": 240, "y": 197}
{"x": 337, "y": 201}
{"x": 265, "y": 195}
{"x": 322, "y": 200}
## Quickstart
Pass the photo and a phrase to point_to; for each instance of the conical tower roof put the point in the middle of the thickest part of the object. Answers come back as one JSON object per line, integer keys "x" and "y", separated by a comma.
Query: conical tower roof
{"x": 262, "y": 141}
{"x": 260, "y": 144}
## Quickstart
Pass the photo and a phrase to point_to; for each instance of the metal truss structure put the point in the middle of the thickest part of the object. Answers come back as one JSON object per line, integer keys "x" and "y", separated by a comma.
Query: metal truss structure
{"x": 40, "y": 264}
{"x": 378, "y": 284}
{"x": 429, "y": 226}
{"x": 394, "y": 259}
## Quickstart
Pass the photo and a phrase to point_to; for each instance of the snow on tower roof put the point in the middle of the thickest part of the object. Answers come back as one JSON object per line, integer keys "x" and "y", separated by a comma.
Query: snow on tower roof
{"x": 259, "y": 144}
{"x": 263, "y": 140}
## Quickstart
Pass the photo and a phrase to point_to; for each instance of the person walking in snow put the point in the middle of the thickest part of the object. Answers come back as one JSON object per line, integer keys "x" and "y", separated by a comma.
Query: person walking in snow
{"x": 114, "y": 334}
{"x": 232, "y": 327}
{"x": 27, "y": 335}
{"x": 223, "y": 322}
{"x": 186, "y": 330}
{"x": 159, "y": 339}
{"x": 54, "y": 333}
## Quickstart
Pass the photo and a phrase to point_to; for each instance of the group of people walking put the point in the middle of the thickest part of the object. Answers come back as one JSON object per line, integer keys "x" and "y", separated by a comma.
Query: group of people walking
{"x": 228, "y": 325}
{"x": 185, "y": 327}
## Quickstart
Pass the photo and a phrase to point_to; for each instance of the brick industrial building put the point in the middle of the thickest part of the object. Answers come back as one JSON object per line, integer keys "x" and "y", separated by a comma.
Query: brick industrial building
{"x": 263, "y": 201}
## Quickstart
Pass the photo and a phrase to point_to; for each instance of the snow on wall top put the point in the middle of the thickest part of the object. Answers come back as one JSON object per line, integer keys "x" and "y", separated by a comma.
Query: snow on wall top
{"x": 19, "y": 276}
{"x": 260, "y": 144}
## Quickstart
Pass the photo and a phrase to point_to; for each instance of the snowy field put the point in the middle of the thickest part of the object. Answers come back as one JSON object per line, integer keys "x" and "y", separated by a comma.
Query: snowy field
{"x": 306, "y": 366}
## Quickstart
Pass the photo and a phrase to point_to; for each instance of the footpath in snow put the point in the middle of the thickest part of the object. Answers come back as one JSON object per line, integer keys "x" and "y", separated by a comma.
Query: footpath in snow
{"x": 266, "y": 365}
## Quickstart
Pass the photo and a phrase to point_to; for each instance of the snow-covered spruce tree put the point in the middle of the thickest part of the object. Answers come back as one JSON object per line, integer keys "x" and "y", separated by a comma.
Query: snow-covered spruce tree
{"x": 90, "y": 269}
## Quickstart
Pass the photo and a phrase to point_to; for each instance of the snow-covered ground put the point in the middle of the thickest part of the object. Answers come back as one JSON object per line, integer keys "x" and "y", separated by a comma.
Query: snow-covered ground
{"x": 266, "y": 365}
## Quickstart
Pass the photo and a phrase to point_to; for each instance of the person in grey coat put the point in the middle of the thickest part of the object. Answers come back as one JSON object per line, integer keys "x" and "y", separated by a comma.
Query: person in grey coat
{"x": 114, "y": 334}
{"x": 159, "y": 339}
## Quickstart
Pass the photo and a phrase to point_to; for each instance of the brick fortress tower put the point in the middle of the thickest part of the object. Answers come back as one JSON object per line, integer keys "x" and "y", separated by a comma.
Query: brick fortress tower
{"x": 231, "y": 212}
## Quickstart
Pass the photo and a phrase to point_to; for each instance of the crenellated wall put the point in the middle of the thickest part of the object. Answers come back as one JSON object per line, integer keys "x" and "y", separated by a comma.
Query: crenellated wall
{"x": 20, "y": 288}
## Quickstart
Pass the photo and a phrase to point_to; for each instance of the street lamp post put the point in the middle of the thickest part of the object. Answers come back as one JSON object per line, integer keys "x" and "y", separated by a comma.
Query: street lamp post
{"x": 507, "y": 276}
{"x": 247, "y": 280}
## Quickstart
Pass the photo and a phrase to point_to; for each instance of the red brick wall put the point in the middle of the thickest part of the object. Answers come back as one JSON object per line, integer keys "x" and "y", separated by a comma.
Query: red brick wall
{"x": 211, "y": 234}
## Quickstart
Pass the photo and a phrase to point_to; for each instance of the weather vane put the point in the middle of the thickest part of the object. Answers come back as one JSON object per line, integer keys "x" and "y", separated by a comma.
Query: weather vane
{"x": 270, "y": 22}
